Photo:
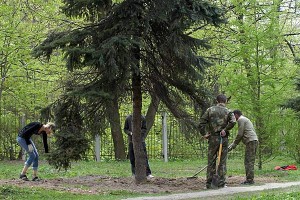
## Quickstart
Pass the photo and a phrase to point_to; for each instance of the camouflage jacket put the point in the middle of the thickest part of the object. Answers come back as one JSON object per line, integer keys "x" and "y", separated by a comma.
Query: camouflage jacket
{"x": 215, "y": 119}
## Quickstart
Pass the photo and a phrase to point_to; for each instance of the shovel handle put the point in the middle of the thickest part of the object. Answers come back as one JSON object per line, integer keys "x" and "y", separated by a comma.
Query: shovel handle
{"x": 219, "y": 154}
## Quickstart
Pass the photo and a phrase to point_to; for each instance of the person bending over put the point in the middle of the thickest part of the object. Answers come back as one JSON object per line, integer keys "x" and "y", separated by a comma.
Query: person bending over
{"x": 247, "y": 135}
{"x": 25, "y": 141}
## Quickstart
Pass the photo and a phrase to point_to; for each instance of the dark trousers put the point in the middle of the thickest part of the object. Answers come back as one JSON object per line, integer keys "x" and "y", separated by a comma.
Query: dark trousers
{"x": 132, "y": 159}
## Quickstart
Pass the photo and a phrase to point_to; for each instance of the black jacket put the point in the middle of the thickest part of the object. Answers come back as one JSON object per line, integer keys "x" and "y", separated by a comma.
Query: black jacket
{"x": 33, "y": 128}
{"x": 128, "y": 127}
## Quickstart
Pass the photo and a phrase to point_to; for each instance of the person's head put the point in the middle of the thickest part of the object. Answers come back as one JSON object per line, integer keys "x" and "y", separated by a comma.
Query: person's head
{"x": 49, "y": 127}
{"x": 221, "y": 98}
{"x": 237, "y": 114}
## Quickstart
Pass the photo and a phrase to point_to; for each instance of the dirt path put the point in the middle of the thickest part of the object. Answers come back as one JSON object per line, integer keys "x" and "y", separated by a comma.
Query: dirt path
{"x": 223, "y": 191}
{"x": 189, "y": 188}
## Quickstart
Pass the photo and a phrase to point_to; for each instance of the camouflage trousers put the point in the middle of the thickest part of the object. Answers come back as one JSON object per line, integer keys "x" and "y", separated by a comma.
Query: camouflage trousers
{"x": 213, "y": 148}
{"x": 249, "y": 160}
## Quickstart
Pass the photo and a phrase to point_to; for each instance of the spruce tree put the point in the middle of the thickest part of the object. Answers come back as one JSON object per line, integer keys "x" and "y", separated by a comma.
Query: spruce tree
{"x": 140, "y": 45}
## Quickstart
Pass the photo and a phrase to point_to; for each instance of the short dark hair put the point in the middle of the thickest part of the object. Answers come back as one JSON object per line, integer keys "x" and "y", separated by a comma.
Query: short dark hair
{"x": 221, "y": 98}
{"x": 238, "y": 112}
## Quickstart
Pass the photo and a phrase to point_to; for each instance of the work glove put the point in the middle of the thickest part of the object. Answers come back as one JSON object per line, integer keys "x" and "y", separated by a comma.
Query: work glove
{"x": 30, "y": 148}
{"x": 231, "y": 146}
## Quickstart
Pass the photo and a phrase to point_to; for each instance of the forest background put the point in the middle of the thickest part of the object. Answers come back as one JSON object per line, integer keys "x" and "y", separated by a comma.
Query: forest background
{"x": 253, "y": 57}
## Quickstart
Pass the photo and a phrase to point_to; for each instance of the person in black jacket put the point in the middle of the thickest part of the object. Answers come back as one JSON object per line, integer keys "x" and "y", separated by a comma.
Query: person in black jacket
{"x": 24, "y": 140}
{"x": 128, "y": 131}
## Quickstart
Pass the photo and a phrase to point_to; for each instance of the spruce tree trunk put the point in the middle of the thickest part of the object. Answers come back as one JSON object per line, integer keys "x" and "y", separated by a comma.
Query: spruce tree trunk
{"x": 151, "y": 112}
{"x": 116, "y": 129}
{"x": 139, "y": 154}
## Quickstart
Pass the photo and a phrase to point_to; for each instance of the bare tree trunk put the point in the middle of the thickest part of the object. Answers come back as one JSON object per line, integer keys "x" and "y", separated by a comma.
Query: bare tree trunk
{"x": 139, "y": 154}
{"x": 140, "y": 157}
{"x": 116, "y": 130}
{"x": 151, "y": 112}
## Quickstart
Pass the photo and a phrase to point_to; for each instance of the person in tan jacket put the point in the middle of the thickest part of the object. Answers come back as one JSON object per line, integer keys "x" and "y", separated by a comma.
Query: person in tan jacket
{"x": 247, "y": 135}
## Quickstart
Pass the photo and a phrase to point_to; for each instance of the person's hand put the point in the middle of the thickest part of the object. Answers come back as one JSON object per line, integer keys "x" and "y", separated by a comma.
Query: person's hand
{"x": 231, "y": 146}
{"x": 30, "y": 148}
{"x": 206, "y": 136}
{"x": 223, "y": 133}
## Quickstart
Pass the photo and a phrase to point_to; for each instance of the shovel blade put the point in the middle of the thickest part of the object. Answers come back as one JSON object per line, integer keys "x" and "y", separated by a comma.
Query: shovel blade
{"x": 215, "y": 181}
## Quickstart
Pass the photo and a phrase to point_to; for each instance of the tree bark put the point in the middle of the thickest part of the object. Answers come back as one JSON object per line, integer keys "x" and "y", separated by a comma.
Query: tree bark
{"x": 140, "y": 157}
{"x": 116, "y": 129}
{"x": 151, "y": 112}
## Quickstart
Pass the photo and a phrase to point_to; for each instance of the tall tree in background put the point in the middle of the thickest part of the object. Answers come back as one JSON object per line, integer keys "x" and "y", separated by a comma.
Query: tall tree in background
{"x": 258, "y": 72}
{"x": 135, "y": 42}
{"x": 294, "y": 103}
{"x": 292, "y": 143}
{"x": 26, "y": 84}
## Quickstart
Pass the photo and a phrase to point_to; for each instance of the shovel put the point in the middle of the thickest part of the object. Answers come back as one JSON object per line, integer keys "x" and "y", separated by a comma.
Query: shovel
{"x": 195, "y": 175}
{"x": 216, "y": 177}
{"x": 198, "y": 172}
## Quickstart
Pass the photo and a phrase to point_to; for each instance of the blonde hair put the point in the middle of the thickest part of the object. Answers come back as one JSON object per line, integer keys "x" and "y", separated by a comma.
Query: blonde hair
{"x": 51, "y": 125}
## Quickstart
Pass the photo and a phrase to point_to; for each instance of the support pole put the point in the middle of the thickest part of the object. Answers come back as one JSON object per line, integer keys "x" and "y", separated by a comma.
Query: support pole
{"x": 23, "y": 121}
{"x": 165, "y": 136}
{"x": 97, "y": 147}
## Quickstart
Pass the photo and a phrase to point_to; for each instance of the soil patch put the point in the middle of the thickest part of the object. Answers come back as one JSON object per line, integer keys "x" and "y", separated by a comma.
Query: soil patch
{"x": 94, "y": 184}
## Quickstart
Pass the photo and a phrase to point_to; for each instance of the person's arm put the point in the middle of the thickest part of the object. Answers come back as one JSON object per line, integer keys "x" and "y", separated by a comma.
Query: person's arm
{"x": 241, "y": 129}
{"x": 144, "y": 127}
{"x": 231, "y": 122}
{"x": 239, "y": 136}
{"x": 203, "y": 122}
{"x": 127, "y": 125}
{"x": 45, "y": 142}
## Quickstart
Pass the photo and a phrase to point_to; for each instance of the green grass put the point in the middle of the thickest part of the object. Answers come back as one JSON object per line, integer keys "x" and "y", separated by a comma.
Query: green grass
{"x": 171, "y": 169}
{"x": 13, "y": 192}
{"x": 291, "y": 193}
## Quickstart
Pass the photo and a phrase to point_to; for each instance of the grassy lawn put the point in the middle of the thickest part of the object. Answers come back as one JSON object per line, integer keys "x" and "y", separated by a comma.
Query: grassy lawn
{"x": 291, "y": 193}
{"x": 171, "y": 169}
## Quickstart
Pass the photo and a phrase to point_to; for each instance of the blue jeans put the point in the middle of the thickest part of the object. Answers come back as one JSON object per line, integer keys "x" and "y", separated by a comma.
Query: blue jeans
{"x": 33, "y": 156}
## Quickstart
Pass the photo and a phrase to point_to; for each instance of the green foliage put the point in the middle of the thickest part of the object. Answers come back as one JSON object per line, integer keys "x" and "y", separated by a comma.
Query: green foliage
{"x": 294, "y": 102}
{"x": 71, "y": 144}
{"x": 255, "y": 70}
{"x": 143, "y": 38}
{"x": 292, "y": 144}
{"x": 27, "y": 85}
{"x": 170, "y": 64}
{"x": 89, "y": 9}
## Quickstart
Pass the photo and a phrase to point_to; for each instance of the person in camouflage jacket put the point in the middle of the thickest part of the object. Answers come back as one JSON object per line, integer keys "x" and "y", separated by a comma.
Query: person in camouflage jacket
{"x": 214, "y": 124}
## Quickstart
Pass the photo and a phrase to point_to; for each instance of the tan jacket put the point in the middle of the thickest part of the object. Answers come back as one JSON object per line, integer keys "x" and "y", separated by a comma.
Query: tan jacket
{"x": 246, "y": 131}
